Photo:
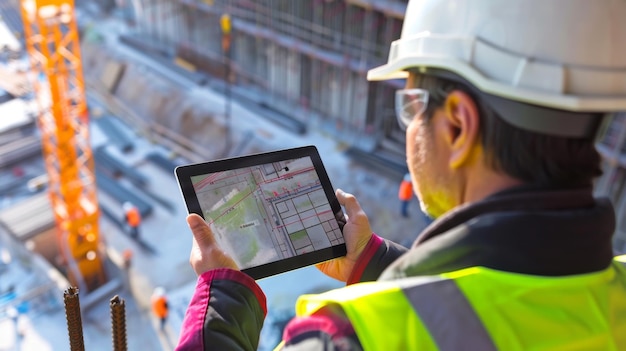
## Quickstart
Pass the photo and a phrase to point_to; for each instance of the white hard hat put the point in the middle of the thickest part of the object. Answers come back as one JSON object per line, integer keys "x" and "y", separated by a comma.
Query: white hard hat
{"x": 562, "y": 54}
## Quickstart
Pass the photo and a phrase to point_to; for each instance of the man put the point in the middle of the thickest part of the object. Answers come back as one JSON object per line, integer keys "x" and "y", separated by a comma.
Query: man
{"x": 160, "y": 307}
{"x": 132, "y": 216}
{"x": 502, "y": 103}
{"x": 405, "y": 194}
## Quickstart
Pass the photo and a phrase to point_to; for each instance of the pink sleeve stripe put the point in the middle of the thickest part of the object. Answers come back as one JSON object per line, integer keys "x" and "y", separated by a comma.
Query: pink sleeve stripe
{"x": 239, "y": 277}
{"x": 364, "y": 259}
{"x": 191, "y": 337}
{"x": 334, "y": 326}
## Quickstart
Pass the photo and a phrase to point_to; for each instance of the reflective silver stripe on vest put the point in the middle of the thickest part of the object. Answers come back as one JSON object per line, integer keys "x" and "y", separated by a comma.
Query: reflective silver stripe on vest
{"x": 449, "y": 317}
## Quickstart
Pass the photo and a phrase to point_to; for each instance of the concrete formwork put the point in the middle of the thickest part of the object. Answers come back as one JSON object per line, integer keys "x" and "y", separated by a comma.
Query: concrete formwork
{"x": 158, "y": 105}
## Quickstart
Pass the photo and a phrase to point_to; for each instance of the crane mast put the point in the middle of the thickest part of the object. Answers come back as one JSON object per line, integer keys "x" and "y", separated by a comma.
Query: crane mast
{"x": 52, "y": 42}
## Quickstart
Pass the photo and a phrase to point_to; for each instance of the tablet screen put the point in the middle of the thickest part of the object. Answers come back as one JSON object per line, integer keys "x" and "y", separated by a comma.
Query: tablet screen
{"x": 269, "y": 210}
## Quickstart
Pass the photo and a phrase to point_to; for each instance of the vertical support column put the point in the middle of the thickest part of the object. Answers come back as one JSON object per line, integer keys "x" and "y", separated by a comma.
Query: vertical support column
{"x": 226, "y": 27}
{"x": 118, "y": 323}
{"x": 74, "y": 321}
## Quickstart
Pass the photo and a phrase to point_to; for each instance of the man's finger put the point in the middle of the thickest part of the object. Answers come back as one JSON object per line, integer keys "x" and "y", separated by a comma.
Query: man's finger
{"x": 349, "y": 202}
{"x": 201, "y": 231}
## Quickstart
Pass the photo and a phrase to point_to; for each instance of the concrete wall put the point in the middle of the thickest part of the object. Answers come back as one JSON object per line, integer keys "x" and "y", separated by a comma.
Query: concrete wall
{"x": 156, "y": 103}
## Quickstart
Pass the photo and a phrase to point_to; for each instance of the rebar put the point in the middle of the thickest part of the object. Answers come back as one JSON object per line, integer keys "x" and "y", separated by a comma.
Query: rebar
{"x": 74, "y": 322}
{"x": 118, "y": 323}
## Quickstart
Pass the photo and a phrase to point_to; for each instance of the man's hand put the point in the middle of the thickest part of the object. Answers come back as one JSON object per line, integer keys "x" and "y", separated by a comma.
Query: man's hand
{"x": 205, "y": 253}
{"x": 357, "y": 233}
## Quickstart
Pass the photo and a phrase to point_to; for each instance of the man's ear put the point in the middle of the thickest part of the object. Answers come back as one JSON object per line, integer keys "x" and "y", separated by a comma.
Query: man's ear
{"x": 463, "y": 122}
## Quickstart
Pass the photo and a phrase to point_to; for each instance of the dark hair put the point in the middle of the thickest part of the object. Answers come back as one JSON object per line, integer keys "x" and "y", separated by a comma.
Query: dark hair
{"x": 536, "y": 159}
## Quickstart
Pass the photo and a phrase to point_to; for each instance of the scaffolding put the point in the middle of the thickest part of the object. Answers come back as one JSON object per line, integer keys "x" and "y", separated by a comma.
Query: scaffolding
{"x": 308, "y": 59}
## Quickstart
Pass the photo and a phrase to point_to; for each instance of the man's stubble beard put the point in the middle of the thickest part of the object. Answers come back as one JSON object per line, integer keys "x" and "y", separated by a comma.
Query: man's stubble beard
{"x": 434, "y": 186}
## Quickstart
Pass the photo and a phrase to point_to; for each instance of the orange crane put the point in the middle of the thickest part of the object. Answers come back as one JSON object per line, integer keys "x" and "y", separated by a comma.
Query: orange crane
{"x": 52, "y": 42}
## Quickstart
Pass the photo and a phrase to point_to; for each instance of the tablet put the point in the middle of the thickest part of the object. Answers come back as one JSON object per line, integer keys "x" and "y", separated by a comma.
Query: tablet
{"x": 272, "y": 212}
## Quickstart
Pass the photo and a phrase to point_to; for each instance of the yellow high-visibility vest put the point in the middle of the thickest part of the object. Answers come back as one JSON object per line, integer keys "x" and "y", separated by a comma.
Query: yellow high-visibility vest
{"x": 484, "y": 309}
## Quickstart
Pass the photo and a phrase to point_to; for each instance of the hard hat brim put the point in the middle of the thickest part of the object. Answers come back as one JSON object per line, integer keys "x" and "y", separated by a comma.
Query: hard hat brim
{"x": 396, "y": 69}
{"x": 527, "y": 116}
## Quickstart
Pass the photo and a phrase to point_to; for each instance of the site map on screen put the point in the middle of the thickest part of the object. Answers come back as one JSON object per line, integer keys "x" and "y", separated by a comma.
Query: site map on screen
{"x": 268, "y": 212}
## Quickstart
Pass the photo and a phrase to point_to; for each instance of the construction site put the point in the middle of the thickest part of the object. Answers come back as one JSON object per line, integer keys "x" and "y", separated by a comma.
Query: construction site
{"x": 101, "y": 100}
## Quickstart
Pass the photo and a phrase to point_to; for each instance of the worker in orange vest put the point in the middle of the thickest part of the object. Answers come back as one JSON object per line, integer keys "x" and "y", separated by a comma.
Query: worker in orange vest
{"x": 127, "y": 256}
{"x": 160, "y": 307}
{"x": 133, "y": 219}
{"x": 405, "y": 193}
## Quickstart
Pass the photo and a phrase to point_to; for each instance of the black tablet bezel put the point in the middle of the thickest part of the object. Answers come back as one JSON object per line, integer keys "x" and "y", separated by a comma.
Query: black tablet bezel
{"x": 185, "y": 172}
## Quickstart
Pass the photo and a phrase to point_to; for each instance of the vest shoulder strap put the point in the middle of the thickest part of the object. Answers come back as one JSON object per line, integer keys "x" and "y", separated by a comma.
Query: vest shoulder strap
{"x": 407, "y": 314}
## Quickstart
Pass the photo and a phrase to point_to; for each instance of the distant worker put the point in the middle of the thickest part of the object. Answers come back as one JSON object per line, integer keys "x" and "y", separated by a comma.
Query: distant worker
{"x": 405, "y": 194}
{"x": 127, "y": 260}
{"x": 160, "y": 306}
{"x": 133, "y": 219}
{"x": 127, "y": 257}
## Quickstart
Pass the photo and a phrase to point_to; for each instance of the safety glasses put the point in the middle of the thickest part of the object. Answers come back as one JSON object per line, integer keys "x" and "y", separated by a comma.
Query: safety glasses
{"x": 410, "y": 103}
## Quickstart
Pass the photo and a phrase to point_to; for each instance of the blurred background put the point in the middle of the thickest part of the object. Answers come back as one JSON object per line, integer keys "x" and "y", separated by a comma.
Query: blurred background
{"x": 101, "y": 100}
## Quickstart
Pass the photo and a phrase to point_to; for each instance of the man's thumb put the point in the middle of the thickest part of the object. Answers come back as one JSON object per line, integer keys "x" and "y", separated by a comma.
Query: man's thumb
{"x": 200, "y": 230}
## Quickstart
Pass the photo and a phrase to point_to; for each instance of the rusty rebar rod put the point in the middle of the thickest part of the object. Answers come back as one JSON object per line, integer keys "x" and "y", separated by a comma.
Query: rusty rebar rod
{"x": 74, "y": 322}
{"x": 118, "y": 323}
